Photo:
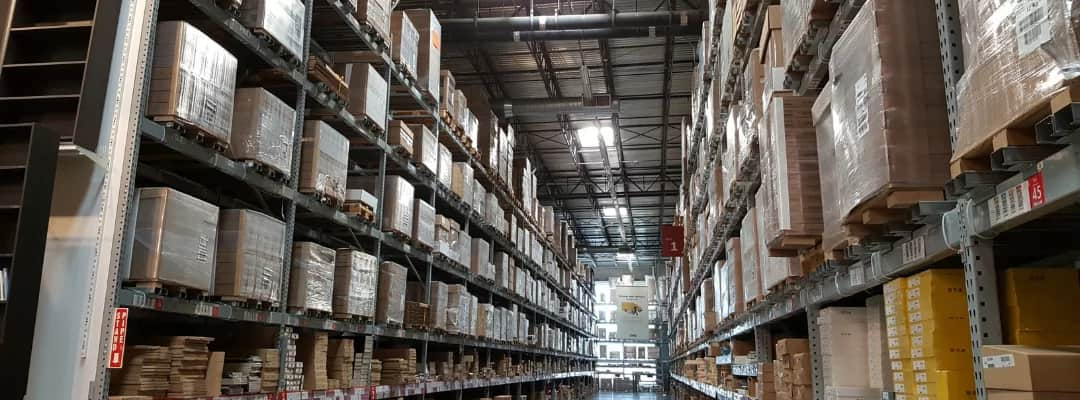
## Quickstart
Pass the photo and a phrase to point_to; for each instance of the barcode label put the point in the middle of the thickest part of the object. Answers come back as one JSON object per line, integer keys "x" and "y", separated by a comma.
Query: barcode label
{"x": 1009, "y": 203}
{"x": 862, "y": 109}
{"x": 913, "y": 250}
{"x": 1032, "y": 25}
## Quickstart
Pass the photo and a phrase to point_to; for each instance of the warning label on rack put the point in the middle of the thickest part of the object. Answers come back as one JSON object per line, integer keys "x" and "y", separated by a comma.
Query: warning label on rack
{"x": 119, "y": 338}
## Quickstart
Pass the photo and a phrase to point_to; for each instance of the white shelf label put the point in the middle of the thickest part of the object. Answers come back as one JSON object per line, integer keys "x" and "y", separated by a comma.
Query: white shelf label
{"x": 857, "y": 276}
{"x": 1018, "y": 199}
{"x": 204, "y": 309}
{"x": 913, "y": 250}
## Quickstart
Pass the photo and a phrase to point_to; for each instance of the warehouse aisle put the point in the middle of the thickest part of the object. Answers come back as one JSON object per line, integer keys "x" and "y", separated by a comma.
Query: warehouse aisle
{"x": 626, "y": 396}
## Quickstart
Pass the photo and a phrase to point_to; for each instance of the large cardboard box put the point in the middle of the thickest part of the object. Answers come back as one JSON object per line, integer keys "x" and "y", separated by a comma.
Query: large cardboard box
{"x": 368, "y": 94}
{"x": 405, "y": 42}
{"x": 1017, "y": 367}
{"x": 423, "y": 228}
{"x": 429, "y": 49}
{"x": 250, "y": 256}
{"x": 263, "y": 130}
{"x": 425, "y": 147}
{"x": 400, "y": 136}
{"x": 774, "y": 270}
{"x": 1032, "y": 306}
{"x": 281, "y": 20}
{"x": 890, "y": 114}
{"x": 324, "y": 161}
{"x": 447, "y": 99}
{"x": 790, "y": 176}
{"x": 356, "y": 277}
{"x": 193, "y": 80}
{"x": 446, "y": 166}
{"x": 390, "y": 305}
{"x": 311, "y": 277}
{"x": 461, "y": 184}
{"x": 175, "y": 239}
{"x": 748, "y": 244}
{"x": 1019, "y": 395}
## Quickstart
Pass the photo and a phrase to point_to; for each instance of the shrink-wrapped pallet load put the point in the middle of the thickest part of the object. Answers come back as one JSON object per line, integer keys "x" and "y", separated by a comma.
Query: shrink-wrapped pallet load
{"x": 398, "y": 205}
{"x": 462, "y": 180}
{"x": 437, "y": 304}
{"x": 447, "y": 100}
{"x": 368, "y": 93}
{"x": 731, "y": 280}
{"x": 751, "y": 269}
{"x": 193, "y": 81}
{"x": 889, "y": 113}
{"x": 425, "y": 148}
{"x": 404, "y": 42}
{"x": 390, "y": 305}
{"x": 375, "y": 14}
{"x": 311, "y": 277}
{"x": 458, "y": 306}
{"x": 774, "y": 270}
{"x": 479, "y": 264}
{"x": 791, "y": 206}
{"x": 423, "y": 228}
{"x": 356, "y": 277}
{"x": 400, "y": 137}
{"x": 175, "y": 240}
{"x": 263, "y": 130}
{"x": 280, "y": 20}
{"x": 803, "y": 21}
{"x": 324, "y": 161}
{"x": 250, "y": 256}
{"x": 429, "y": 49}
{"x": 446, "y": 166}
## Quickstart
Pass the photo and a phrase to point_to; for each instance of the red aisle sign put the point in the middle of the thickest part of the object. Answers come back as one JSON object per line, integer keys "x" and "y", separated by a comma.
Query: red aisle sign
{"x": 671, "y": 239}
{"x": 119, "y": 338}
{"x": 1036, "y": 190}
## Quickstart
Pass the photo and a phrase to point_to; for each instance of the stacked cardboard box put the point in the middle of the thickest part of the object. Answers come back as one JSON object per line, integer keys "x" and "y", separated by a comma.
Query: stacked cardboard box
{"x": 398, "y": 365}
{"x": 375, "y": 14}
{"x": 355, "y": 276}
{"x": 189, "y": 356}
{"x": 363, "y": 365}
{"x": 312, "y": 350}
{"x": 405, "y": 40}
{"x": 429, "y": 49}
{"x": 324, "y": 161}
{"x": 791, "y": 210}
{"x": 446, "y": 165}
{"x": 263, "y": 130}
{"x": 764, "y": 386}
{"x": 240, "y": 375}
{"x": 174, "y": 239}
{"x": 425, "y": 148}
{"x": 458, "y": 305}
{"x": 423, "y": 224}
{"x": 293, "y": 372}
{"x": 390, "y": 306}
{"x": 730, "y": 284}
{"x": 751, "y": 270}
{"x": 773, "y": 271}
{"x": 341, "y": 360}
{"x": 1032, "y": 306}
{"x": 251, "y": 249}
{"x": 844, "y": 353}
{"x": 877, "y": 353}
{"x": 311, "y": 278}
{"x": 271, "y": 368}
{"x": 193, "y": 80}
{"x": 145, "y": 373}
{"x": 792, "y": 370}
{"x": 1016, "y": 372}
{"x": 400, "y": 137}
{"x": 368, "y": 94}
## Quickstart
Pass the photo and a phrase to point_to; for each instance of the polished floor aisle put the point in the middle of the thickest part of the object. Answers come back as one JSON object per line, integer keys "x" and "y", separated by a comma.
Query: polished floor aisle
{"x": 627, "y": 396}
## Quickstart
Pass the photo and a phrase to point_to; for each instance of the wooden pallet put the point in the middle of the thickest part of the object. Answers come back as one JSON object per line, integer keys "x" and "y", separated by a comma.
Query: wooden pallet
{"x": 868, "y": 220}
{"x": 325, "y": 198}
{"x": 406, "y": 72}
{"x": 402, "y": 236}
{"x": 194, "y": 132}
{"x": 806, "y": 47}
{"x": 1022, "y": 130}
{"x": 265, "y": 169}
{"x": 789, "y": 243}
{"x": 348, "y": 317}
{"x": 169, "y": 289}
{"x": 361, "y": 210}
{"x": 328, "y": 80}
{"x": 277, "y": 47}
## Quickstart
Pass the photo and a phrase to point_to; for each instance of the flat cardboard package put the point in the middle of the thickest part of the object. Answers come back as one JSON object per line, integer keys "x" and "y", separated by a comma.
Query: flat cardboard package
{"x": 311, "y": 277}
{"x": 193, "y": 80}
{"x": 250, "y": 256}
{"x": 891, "y": 127}
{"x": 789, "y": 168}
{"x": 368, "y": 95}
{"x": 175, "y": 239}
{"x": 324, "y": 161}
{"x": 263, "y": 130}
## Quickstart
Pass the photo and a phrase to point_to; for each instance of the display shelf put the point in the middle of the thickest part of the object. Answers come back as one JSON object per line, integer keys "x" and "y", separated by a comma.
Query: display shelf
{"x": 710, "y": 390}
{"x": 133, "y": 298}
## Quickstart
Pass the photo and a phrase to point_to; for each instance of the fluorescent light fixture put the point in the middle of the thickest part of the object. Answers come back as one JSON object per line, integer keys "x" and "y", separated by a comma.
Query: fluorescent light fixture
{"x": 610, "y": 212}
{"x": 590, "y": 136}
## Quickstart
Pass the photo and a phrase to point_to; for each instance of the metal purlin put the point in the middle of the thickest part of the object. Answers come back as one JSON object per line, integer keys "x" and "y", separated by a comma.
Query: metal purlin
{"x": 818, "y": 374}
{"x": 980, "y": 285}
{"x": 952, "y": 57}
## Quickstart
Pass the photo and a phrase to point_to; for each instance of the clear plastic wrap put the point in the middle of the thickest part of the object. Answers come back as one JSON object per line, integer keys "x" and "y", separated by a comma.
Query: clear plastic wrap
{"x": 376, "y": 14}
{"x": 485, "y": 318}
{"x": 423, "y": 223}
{"x": 400, "y": 135}
{"x": 446, "y": 236}
{"x": 479, "y": 259}
{"x": 791, "y": 188}
{"x": 774, "y": 270}
{"x": 356, "y": 276}
{"x": 729, "y": 156}
{"x": 464, "y": 248}
{"x": 472, "y": 129}
{"x": 732, "y": 278}
{"x": 262, "y": 130}
{"x": 398, "y": 205}
{"x": 831, "y": 219}
{"x": 194, "y": 80}
{"x": 479, "y": 196}
{"x": 502, "y": 271}
{"x": 175, "y": 239}
{"x": 368, "y": 94}
{"x": 311, "y": 277}
{"x": 405, "y": 42}
{"x": 748, "y": 246}
{"x": 390, "y": 305}
{"x": 437, "y": 303}
{"x": 324, "y": 160}
{"x": 429, "y": 49}
{"x": 425, "y": 147}
{"x": 458, "y": 305}
{"x": 1018, "y": 54}
{"x": 474, "y": 304}
{"x": 446, "y": 165}
{"x": 282, "y": 20}
{"x": 462, "y": 179}
{"x": 799, "y": 15}
{"x": 889, "y": 113}
{"x": 250, "y": 256}
{"x": 461, "y": 103}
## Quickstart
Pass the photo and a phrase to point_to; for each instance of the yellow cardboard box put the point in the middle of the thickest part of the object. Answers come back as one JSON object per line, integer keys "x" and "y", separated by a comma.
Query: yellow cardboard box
{"x": 1043, "y": 338}
{"x": 896, "y": 325}
{"x": 1041, "y": 285}
{"x": 931, "y": 345}
{"x": 955, "y": 385}
{"x": 946, "y": 361}
{"x": 899, "y": 348}
{"x": 940, "y": 325}
{"x": 895, "y": 285}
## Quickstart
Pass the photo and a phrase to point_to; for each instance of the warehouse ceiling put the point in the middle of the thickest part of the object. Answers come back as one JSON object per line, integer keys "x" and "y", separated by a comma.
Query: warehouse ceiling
{"x": 650, "y": 77}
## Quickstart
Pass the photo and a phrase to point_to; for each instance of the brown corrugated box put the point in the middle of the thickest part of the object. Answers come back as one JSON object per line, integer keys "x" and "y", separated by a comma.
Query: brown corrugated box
{"x": 429, "y": 51}
{"x": 250, "y": 256}
{"x": 889, "y": 104}
{"x": 789, "y": 168}
{"x": 324, "y": 161}
{"x": 799, "y": 16}
{"x": 311, "y": 277}
{"x": 425, "y": 147}
{"x": 175, "y": 239}
{"x": 263, "y": 130}
{"x": 390, "y": 304}
{"x": 400, "y": 135}
{"x": 368, "y": 94}
{"x": 1026, "y": 368}
{"x": 376, "y": 14}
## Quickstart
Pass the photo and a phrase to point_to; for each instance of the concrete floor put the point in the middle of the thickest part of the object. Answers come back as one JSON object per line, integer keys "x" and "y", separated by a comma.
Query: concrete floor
{"x": 627, "y": 396}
